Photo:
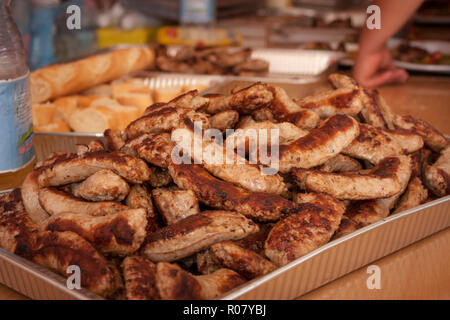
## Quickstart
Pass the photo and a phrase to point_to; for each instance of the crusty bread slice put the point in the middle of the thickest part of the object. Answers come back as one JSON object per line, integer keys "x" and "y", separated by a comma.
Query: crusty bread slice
{"x": 139, "y": 100}
{"x": 124, "y": 115}
{"x": 93, "y": 119}
{"x": 65, "y": 106}
{"x": 43, "y": 113}
{"x": 103, "y": 102}
{"x": 57, "y": 126}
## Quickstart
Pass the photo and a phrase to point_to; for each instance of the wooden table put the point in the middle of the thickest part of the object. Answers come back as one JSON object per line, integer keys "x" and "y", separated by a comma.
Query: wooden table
{"x": 422, "y": 269}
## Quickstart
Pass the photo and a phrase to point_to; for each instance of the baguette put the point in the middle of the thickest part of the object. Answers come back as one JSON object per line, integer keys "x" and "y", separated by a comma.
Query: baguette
{"x": 63, "y": 79}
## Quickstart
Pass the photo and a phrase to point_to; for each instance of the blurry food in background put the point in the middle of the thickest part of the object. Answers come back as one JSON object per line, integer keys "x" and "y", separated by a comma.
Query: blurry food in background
{"x": 409, "y": 53}
{"x": 316, "y": 45}
{"x": 320, "y": 22}
{"x": 211, "y": 60}
{"x": 435, "y": 8}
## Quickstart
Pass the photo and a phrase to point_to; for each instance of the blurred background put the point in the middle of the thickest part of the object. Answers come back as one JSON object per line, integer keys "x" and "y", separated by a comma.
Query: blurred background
{"x": 308, "y": 24}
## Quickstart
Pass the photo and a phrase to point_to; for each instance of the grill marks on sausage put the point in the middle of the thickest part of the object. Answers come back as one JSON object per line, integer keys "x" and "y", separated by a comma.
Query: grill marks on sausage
{"x": 340, "y": 101}
{"x": 140, "y": 278}
{"x": 318, "y": 137}
{"x": 182, "y": 227}
{"x": 224, "y": 195}
{"x": 58, "y": 250}
{"x": 118, "y": 228}
{"x": 17, "y": 229}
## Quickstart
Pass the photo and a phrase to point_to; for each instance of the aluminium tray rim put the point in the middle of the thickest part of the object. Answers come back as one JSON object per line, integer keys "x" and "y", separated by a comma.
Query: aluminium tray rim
{"x": 252, "y": 284}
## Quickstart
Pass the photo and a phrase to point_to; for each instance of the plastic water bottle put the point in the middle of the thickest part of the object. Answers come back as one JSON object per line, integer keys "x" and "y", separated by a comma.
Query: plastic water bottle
{"x": 16, "y": 126}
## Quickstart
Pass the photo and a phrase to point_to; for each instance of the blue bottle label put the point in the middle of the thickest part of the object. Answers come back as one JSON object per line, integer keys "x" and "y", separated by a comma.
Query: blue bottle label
{"x": 16, "y": 124}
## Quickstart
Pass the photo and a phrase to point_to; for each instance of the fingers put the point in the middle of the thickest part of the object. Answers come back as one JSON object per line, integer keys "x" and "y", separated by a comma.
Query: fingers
{"x": 395, "y": 75}
{"x": 377, "y": 68}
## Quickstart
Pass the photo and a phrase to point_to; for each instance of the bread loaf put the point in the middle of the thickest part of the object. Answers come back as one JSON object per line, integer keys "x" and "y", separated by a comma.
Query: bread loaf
{"x": 63, "y": 79}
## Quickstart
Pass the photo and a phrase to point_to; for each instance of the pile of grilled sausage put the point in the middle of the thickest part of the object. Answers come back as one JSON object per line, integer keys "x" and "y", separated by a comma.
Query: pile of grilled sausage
{"x": 143, "y": 226}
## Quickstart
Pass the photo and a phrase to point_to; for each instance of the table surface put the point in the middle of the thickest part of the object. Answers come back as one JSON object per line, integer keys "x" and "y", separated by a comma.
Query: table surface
{"x": 419, "y": 271}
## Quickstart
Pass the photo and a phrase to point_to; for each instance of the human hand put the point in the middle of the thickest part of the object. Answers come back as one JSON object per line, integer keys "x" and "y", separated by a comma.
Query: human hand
{"x": 375, "y": 68}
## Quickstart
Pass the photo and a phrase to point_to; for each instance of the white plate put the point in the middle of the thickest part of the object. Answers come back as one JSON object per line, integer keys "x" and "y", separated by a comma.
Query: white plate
{"x": 430, "y": 46}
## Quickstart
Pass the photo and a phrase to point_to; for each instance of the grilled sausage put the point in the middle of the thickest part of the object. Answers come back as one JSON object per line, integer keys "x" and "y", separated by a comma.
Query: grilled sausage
{"x": 104, "y": 185}
{"x": 163, "y": 120}
{"x": 432, "y": 138}
{"x": 409, "y": 142}
{"x": 303, "y": 232}
{"x": 415, "y": 195}
{"x": 175, "y": 205}
{"x": 245, "y": 262}
{"x": 175, "y": 283}
{"x": 30, "y": 196}
{"x": 220, "y": 194}
{"x": 76, "y": 169}
{"x": 224, "y": 120}
{"x": 283, "y": 108}
{"x": 153, "y": 148}
{"x": 119, "y": 234}
{"x": 437, "y": 176}
{"x": 196, "y": 233}
{"x": 229, "y": 167}
{"x": 372, "y": 144}
{"x": 380, "y": 182}
{"x": 140, "y": 278}
{"x": 345, "y": 100}
{"x": 59, "y": 250}
{"x": 319, "y": 145}
{"x": 55, "y": 201}
{"x": 244, "y": 101}
{"x": 340, "y": 163}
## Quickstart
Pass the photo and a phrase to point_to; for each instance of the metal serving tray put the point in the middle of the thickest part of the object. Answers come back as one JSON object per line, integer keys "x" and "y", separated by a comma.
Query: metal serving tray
{"x": 323, "y": 265}
{"x": 45, "y": 143}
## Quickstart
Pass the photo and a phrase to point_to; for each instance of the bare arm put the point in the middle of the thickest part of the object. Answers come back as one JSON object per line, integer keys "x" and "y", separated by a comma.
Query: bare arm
{"x": 374, "y": 65}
